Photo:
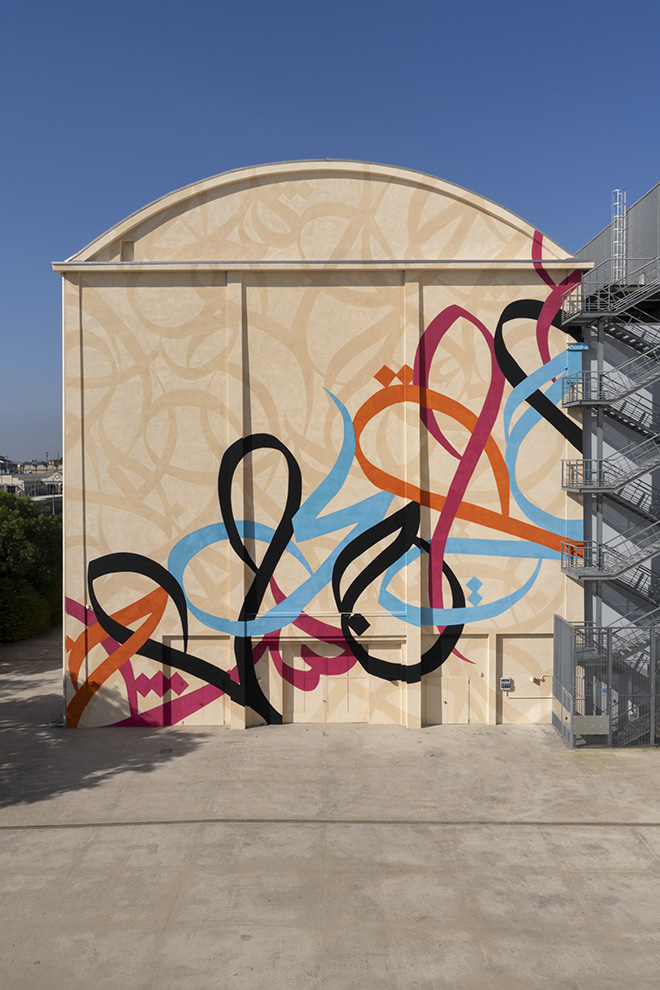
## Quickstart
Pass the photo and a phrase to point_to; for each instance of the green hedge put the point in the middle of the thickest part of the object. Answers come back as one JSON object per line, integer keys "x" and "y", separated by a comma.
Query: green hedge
{"x": 23, "y": 611}
{"x": 30, "y": 569}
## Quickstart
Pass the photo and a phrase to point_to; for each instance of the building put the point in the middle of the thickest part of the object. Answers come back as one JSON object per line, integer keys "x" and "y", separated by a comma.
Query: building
{"x": 32, "y": 484}
{"x": 313, "y": 454}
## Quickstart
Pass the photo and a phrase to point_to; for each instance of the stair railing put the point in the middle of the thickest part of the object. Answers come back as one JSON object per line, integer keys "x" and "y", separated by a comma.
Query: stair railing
{"x": 601, "y": 291}
{"x": 613, "y": 472}
{"x": 629, "y": 328}
{"x": 603, "y": 387}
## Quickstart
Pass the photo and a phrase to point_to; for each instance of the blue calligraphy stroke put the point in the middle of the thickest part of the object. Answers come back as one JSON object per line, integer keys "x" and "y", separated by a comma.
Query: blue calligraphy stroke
{"x": 307, "y": 524}
{"x": 500, "y": 548}
{"x": 189, "y": 546}
{"x": 416, "y": 615}
{"x": 568, "y": 528}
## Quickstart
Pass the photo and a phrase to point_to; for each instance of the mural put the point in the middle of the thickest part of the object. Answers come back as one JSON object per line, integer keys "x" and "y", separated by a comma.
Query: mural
{"x": 343, "y": 562}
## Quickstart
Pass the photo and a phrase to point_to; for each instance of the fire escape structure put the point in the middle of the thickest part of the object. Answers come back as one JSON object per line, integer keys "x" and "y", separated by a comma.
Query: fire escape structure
{"x": 616, "y": 666}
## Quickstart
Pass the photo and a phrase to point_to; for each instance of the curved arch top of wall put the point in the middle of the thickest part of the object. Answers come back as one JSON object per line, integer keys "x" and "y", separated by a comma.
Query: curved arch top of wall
{"x": 329, "y": 211}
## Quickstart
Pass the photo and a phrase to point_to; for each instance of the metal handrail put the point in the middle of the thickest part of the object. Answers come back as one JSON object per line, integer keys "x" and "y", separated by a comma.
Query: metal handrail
{"x": 602, "y": 290}
{"x": 609, "y": 386}
{"x": 614, "y": 472}
{"x": 640, "y": 496}
{"x": 640, "y": 335}
{"x": 637, "y": 618}
{"x": 636, "y": 411}
{"x": 588, "y": 559}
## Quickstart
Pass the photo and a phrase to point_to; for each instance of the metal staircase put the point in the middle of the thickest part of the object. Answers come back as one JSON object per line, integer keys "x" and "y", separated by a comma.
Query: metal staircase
{"x": 631, "y": 330}
{"x": 640, "y": 497}
{"x": 607, "y": 677}
{"x": 606, "y": 291}
{"x": 588, "y": 560}
{"x": 612, "y": 474}
{"x": 642, "y": 581}
{"x": 617, "y": 672}
{"x": 637, "y": 413}
{"x": 603, "y": 388}
{"x": 612, "y": 296}
{"x": 622, "y": 558}
{"x": 627, "y": 642}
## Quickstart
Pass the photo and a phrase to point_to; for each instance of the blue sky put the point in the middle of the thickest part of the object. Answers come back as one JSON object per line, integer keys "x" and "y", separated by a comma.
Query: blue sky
{"x": 544, "y": 108}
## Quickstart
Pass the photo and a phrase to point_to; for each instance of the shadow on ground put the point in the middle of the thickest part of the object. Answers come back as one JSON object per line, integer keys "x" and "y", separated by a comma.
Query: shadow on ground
{"x": 39, "y": 759}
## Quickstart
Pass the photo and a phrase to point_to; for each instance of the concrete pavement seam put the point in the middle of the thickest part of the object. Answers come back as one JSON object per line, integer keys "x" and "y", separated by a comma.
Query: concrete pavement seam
{"x": 332, "y": 821}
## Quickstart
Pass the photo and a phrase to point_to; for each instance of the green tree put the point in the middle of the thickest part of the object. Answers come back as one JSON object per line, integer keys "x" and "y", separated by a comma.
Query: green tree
{"x": 30, "y": 569}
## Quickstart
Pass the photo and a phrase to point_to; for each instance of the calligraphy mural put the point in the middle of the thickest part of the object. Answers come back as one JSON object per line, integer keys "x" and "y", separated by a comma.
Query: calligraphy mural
{"x": 294, "y": 495}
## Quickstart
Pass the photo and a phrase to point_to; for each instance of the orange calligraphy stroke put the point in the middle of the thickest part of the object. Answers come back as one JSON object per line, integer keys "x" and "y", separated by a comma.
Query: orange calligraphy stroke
{"x": 152, "y": 606}
{"x": 427, "y": 398}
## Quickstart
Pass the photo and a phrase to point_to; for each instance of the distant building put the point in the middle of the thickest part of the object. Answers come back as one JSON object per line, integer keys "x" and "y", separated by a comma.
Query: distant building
{"x": 32, "y": 484}
{"x": 35, "y": 467}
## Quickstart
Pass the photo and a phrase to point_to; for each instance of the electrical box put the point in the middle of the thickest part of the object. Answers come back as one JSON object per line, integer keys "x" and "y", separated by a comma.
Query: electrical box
{"x": 505, "y": 684}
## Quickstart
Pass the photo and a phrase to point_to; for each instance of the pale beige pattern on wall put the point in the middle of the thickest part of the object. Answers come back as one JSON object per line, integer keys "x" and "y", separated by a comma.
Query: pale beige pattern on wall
{"x": 328, "y": 335}
{"x": 278, "y": 301}
{"x": 155, "y": 412}
{"x": 320, "y": 211}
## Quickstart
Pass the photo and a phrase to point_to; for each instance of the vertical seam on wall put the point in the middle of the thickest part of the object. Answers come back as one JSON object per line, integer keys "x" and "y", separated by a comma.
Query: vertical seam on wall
{"x": 83, "y": 474}
{"x": 65, "y": 283}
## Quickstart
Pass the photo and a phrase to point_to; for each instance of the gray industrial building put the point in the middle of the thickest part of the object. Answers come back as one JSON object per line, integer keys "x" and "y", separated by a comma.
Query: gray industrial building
{"x": 606, "y": 668}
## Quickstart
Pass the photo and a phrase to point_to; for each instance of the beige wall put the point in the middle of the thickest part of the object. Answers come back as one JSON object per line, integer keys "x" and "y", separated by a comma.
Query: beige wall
{"x": 252, "y": 299}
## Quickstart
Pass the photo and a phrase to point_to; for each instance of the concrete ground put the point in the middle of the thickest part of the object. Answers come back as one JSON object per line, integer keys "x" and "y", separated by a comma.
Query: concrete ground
{"x": 346, "y": 858}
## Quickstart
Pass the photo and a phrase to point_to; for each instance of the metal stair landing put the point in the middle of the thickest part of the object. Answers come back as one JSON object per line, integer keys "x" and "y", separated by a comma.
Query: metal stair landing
{"x": 588, "y": 560}
{"x": 611, "y": 474}
{"x": 605, "y": 291}
{"x": 602, "y": 388}
{"x": 607, "y": 675}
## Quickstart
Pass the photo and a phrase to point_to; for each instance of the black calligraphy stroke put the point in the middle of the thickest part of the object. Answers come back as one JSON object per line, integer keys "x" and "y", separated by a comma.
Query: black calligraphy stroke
{"x": 247, "y": 691}
{"x": 530, "y": 309}
{"x": 135, "y": 563}
{"x": 254, "y": 696}
{"x": 405, "y": 524}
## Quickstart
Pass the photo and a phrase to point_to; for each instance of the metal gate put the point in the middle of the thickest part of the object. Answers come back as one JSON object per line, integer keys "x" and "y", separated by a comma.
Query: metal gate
{"x": 607, "y": 683}
{"x": 563, "y": 678}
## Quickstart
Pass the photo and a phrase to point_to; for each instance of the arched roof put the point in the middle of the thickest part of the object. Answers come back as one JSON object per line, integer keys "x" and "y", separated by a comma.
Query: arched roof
{"x": 323, "y": 210}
